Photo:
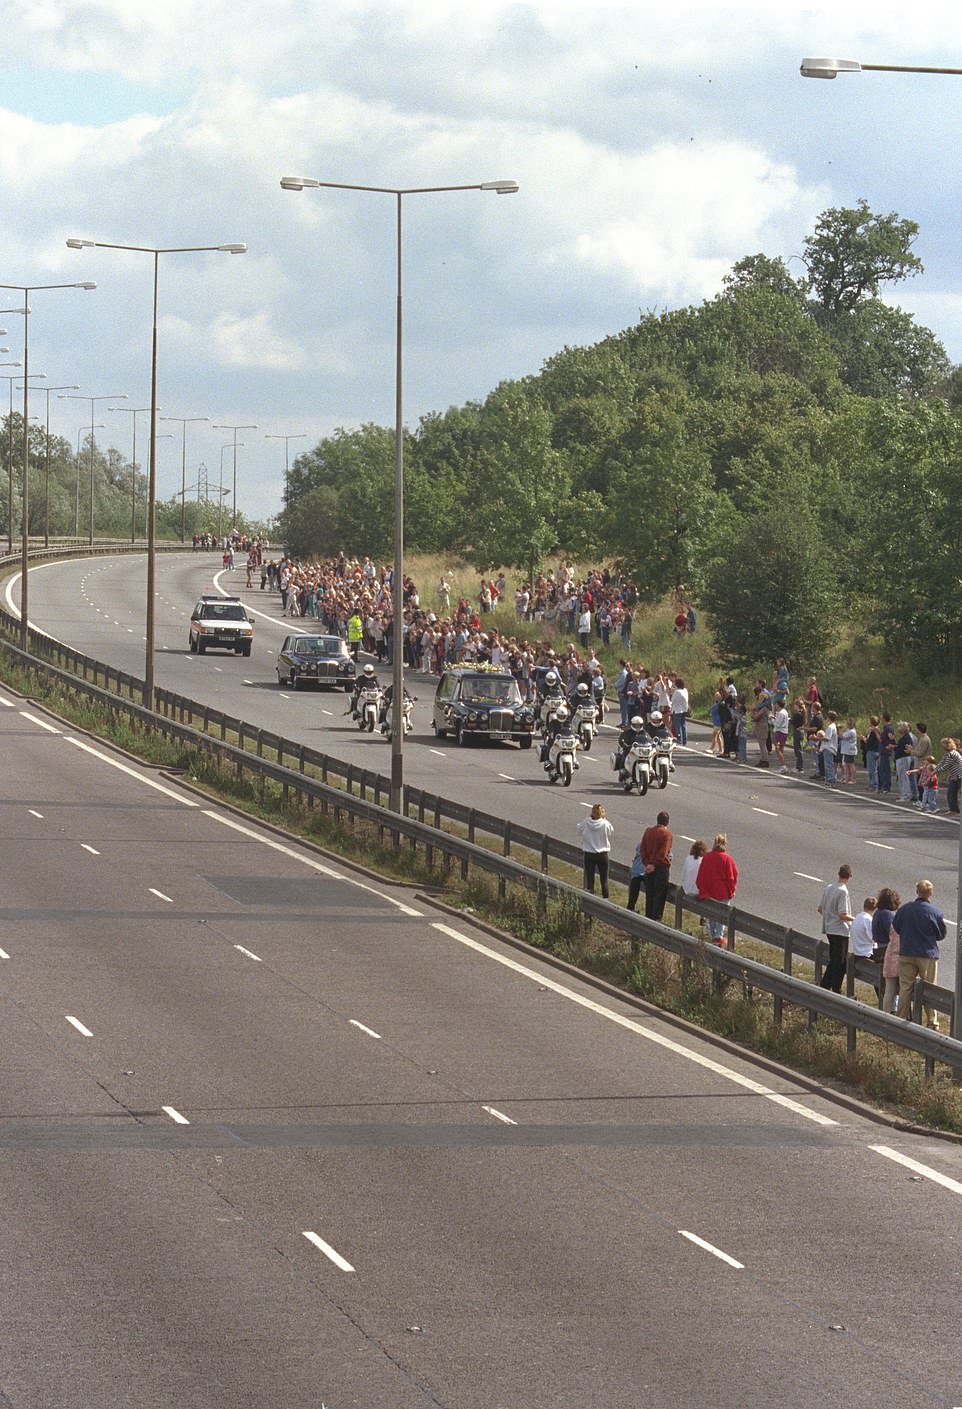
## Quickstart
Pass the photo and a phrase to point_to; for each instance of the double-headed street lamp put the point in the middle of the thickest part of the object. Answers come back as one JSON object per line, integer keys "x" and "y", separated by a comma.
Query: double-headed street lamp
{"x": 830, "y": 68}
{"x": 133, "y": 411}
{"x": 46, "y": 466}
{"x": 184, "y": 422}
{"x": 105, "y": 396}
{"x": 80, "y": 430}
{"x": 235, "y": 429}
{"x": 236, "y": 445}
{"x": 152, "y": 469}
{"x": 11, "y": 379}
{"x": 502, "y": 188}
{"x": 27, "y": 289}
{"x": 287, "y": 459}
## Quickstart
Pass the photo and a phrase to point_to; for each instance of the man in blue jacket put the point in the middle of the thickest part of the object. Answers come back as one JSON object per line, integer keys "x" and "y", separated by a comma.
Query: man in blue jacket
{"x": 920, "y": 928}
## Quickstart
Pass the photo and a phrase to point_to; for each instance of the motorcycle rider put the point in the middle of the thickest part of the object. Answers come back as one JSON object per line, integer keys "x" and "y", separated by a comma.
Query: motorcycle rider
{"x": 552, "y": 696}
{"x": 387, "y": 696}
{"x": 658, "y": 730}
{"x": 367, "y": 680}
{"x": 557, "y": 724}
{"x": 581, "y": 694}
{"x": 634, "y": 729}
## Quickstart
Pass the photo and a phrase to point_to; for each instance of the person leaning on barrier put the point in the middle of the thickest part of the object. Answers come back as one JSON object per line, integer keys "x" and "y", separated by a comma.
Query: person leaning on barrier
{"x": 656, "y": 844}
{"x": 835, "y": 908}
{"x": 920, "y": 927}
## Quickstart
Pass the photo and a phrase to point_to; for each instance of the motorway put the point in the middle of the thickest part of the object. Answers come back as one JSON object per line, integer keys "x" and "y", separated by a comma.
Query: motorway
{"x": 787, "y": 836}
{"x": 273, "y": 1132}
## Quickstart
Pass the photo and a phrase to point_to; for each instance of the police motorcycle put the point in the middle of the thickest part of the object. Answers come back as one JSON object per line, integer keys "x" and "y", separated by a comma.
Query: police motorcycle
{"x": 584, "y": 713}
{"x": 559, "y": 749}
{"x": 367, "y": 700}
{"x": 664, "y": 749}
{"x": 635, "y": 760}
{"x": 407, "y": 709}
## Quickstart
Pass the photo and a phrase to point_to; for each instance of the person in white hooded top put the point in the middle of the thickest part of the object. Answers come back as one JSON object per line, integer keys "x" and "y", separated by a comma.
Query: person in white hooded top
{"x": 596, "y": 833}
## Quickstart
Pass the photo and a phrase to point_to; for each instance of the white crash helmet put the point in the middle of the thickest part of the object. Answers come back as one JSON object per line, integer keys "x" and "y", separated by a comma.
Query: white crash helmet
{"x": 551, "y": 678}
{"x": 655, "y": 716}
{"x": 637, "y": 722}
{"x": 582, "y": 689}
{"x": 561, "y": 713}
{"x": 369, "y": 670}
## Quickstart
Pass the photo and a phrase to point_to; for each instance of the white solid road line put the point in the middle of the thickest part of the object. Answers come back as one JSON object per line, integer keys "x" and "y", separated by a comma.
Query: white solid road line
{"x": 369, "y": 1030}
{"x": 249, "y": 954}
{"x": 34, "y": 813}
{"x": 882, "y": 846}
{"x": 40, "y": 723}
{"x": 804, "y": 876}
{"x": 160, "y": 895}
{"x": 715, "y": 1252}
{"x": 507, "y": 777}
{"x": 92, "y": 849}
{"x": 75, "y": 1022}
{"x": 131, "y": 772}
{"x": 499, "y": 1115}
{"x": 925, "y": 1170}
{"x": 668, "y": 1043}
{"x": 4, "y": 954}
{"x": 7, "y": 704}
{"x": 310, "y": 862}
{"x": 764, "y": 811}
{"x": 175, "y": 1116}
{"x": 328, "y": 1251}
{"x": 439, "y": 753}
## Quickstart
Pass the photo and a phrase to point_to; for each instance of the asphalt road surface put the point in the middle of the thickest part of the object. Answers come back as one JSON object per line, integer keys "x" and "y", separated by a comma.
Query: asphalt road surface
{"x": 787, "y": 836}
{"x": 276, "y": 1133}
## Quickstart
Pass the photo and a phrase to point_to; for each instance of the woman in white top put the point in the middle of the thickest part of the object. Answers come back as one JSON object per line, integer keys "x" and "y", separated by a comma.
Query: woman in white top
{"x": 679, "y": 711}
{"x": 848, "y": 747}
{"x": 689, "y": 872}
{"x": 828, "y": 745}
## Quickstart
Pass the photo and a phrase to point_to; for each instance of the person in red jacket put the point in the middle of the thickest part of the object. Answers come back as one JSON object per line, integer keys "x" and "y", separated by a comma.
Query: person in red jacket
{"x": 717, "y": 880}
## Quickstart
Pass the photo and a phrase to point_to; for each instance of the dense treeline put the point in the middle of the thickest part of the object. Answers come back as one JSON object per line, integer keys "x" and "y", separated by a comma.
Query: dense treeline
{"x": 60, "y": 478}
{"x": 787, "y": 452}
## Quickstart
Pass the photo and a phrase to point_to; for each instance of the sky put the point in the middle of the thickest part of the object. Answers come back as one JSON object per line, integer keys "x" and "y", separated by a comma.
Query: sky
{"x": 653, "y": 146}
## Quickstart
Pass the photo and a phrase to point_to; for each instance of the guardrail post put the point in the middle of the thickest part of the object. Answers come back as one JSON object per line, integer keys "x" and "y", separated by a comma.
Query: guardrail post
{"x": 505, "y": 851}
{"x": 471, "y": 828}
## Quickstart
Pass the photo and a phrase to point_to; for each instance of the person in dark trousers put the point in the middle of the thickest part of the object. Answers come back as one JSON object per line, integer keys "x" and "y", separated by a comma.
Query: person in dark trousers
{"x": 835, "y": 908}
{"x": 595, "y": 832}
{"x": 656, "y": 844}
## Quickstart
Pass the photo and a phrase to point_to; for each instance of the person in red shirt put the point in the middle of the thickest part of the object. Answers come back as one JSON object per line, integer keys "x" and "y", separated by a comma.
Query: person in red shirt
{"x": 656, "y": 844}
{"x": 717, "y": 880}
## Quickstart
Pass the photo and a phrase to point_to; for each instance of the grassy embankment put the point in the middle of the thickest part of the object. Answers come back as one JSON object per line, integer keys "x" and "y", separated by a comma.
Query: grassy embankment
{"x": 885, "y": 1075}
{"x": 864, "y": 677}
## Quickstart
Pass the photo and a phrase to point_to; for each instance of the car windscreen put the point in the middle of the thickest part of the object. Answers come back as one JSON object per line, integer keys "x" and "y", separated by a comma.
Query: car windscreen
{"x": 318, "y": 646}
{"x": 490, "y": 692}
{"x": 216, "y": 612}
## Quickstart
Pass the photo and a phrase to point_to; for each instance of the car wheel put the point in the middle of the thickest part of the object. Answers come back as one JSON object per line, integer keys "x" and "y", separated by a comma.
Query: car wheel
{"x": 246, "y": 650}
{"x": 191, "y": 645}
{"x": 294, "y": 682}
{"x": 460, "y": 736}
{"x": 526, "y": 741}
{"x": 201, "y": 646}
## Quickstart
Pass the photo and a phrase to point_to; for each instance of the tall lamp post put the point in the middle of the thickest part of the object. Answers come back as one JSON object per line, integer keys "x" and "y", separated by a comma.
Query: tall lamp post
{"x": 11, "y": 380}
{"x": 237, "y": 445}
{"x": 152, "y": 469}
{"x": 502, "y": 188}
{"x": 184, "y": 422}
{"x": 26, "y": 290}
{"x": 287, "y": 460}
{"x": 80, "y": 430}
{"x": 133, "y": 411}
{"x": 112, "y": 396}
{"x": 46, "y": 467}
{"x": 235, "y": 429}
{"x": 830, "y": 68}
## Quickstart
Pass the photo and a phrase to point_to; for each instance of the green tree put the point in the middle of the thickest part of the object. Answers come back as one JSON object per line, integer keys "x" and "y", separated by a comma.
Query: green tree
{"x": 852, "y": 251}
{"x": 883, "y": 352}
{"x": 773, "y": 591}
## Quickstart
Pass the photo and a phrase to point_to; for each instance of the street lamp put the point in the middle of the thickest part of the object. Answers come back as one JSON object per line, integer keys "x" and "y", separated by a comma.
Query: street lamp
{"x": 502, "y": 188}
{"x": 80, "y": 430}
{"x": 829, "y": 68}
{"x": 26, "y": 289}
{"x": 235, "y": 429}
{"x": 111, "y": 396}
{"x": 237, "y": 445}
{"x": 134, "y": 411}
{"x": 11, "y": 380}
{"x": 76, "y": 244}
{"x": 185, "y": 421}
{"x": 46, "y": 468}
{"x": 287, "y": 459}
